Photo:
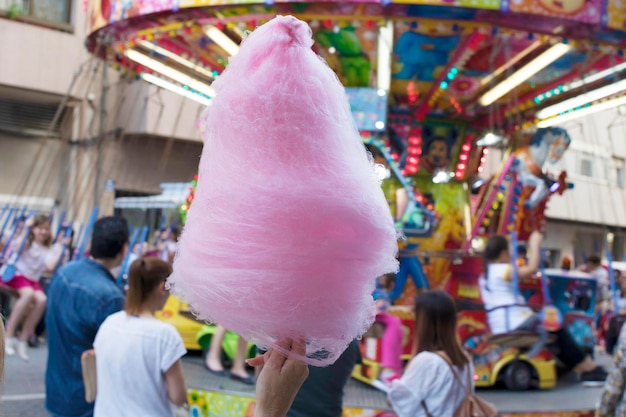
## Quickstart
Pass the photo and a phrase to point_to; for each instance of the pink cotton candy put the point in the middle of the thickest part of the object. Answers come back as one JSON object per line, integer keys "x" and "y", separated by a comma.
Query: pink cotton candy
{"x": 289, "y": 226}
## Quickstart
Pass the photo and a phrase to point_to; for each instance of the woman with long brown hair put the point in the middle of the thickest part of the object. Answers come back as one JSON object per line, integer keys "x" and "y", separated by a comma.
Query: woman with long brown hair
{"x": 429, "y": 386}
{"x": 39, "y": 255}
{"x": 138, "y": 366}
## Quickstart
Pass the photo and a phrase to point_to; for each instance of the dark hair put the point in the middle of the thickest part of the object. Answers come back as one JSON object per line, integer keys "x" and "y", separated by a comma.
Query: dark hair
{"x": 373, "y": 149}
{"x": 496, "y": 244}
{"x": 435, "y": 139}
{"x": 521, "y": 250}
{"x": 110, "y": 234}
{"x": 386, "y": 281}
{"x": 594, "y": 259}
{"x": 435, "y": 326}
{"x": 145, "y": 275}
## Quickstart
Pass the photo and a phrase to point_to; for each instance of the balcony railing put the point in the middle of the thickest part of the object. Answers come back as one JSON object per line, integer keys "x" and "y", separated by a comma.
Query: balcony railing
{"x": 51, "y": 13}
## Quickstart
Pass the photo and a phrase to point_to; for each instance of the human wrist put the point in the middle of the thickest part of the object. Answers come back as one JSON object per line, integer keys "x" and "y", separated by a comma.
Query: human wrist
{"x": 261, "y": 410}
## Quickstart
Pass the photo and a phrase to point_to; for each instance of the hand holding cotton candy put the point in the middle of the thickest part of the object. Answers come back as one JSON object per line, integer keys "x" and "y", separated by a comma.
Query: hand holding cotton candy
{"x": 289, "y": 226}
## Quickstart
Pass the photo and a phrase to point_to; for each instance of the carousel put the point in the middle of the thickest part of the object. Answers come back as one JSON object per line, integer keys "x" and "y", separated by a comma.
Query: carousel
{"x": 435, "y": 87}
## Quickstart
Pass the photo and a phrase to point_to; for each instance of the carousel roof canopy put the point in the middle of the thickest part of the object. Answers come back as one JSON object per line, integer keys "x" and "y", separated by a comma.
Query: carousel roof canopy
{"x": 487, "y": 62}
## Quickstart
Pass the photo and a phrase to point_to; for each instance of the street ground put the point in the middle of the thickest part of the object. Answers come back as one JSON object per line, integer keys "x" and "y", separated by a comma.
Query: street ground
{"x": 23, "y": 394}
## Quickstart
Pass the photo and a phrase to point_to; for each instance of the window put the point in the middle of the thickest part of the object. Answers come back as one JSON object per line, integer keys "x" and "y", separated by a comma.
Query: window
{"x": 39, "y": 11}
{"x": 618, "y": 164}
{"x": 26, "y": 119}
{"x": 586, "y": 167}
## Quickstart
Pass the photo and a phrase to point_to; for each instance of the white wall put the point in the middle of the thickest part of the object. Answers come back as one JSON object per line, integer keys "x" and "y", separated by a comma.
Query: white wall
{"x": 38, "y": 58}
{"x": 600, "y": 140}
{"x": 597, "y": 151}
{"x": 153, "y": 111}
{"x": 37, "y": 65}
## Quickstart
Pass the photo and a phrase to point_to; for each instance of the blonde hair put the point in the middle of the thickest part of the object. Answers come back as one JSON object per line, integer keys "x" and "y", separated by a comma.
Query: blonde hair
{"x": 39, "y": 220}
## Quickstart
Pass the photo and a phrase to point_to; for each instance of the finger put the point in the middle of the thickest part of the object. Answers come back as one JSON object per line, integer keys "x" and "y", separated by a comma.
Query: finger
{"x": 284, "y": 344}
{"x": 261, "y": 359}
{"x": 258, "y": 361}
{"x": 298, "y": 346}
{"x": 278, "y": 357}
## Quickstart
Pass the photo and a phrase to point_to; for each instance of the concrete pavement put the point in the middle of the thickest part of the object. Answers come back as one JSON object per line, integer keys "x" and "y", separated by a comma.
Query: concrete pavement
{"x": 23, "y": 394}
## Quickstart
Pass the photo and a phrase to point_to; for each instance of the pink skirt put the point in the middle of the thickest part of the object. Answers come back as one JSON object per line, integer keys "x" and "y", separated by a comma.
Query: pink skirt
{"x": 20, "y": 281}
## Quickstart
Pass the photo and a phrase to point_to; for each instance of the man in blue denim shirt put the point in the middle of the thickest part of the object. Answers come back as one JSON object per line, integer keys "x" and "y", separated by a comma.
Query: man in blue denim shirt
{"x": 81, "y": 295}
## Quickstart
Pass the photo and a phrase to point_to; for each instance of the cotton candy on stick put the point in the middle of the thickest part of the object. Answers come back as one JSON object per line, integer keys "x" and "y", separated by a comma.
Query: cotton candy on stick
{"x": 289, "y": 226}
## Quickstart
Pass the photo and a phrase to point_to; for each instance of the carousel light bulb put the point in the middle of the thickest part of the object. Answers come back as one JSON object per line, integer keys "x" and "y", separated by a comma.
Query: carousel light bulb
{"x": 169, "y": 72}
{"x": 594, "y": 77}
{"x": 222, "y": 40}
{"x": 441, "y": 177}
{"x": 582, "y": 99}
{"x": 176, "y": 58}
{"x": 550, "y": 55}
{"x": 490, "y": 139}
{"x": 159, "y": 82}
{"x": 573, "y": 115}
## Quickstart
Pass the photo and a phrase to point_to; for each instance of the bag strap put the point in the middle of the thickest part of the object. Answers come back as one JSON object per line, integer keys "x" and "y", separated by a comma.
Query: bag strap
{"x": 467, "y": 388}
{"x": 426, "y": 409}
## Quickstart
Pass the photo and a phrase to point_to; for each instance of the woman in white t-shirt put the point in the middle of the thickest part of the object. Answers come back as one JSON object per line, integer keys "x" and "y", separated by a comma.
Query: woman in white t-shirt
{"x": 428, "y": 382}
{"x": 506, "y": 313}
{"x": 138, "y": 366}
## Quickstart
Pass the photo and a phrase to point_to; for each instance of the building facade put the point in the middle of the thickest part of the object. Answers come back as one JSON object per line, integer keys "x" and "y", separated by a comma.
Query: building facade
{"x": 69, "y": 123}
{"x": 590, "y": 217}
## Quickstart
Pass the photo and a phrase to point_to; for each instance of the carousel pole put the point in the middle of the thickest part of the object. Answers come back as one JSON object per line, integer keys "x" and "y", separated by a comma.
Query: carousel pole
{"x": 385, "y": 51}
{"x": 121, "y": 278}
{"x": 60, "y": 227}
{"x": 88, "y": 229}
{"x": 8, "y": 270}
{"x": 101, "y": 133}
{"x": 7, "y": 220}
{"x": 489, "y": 197}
